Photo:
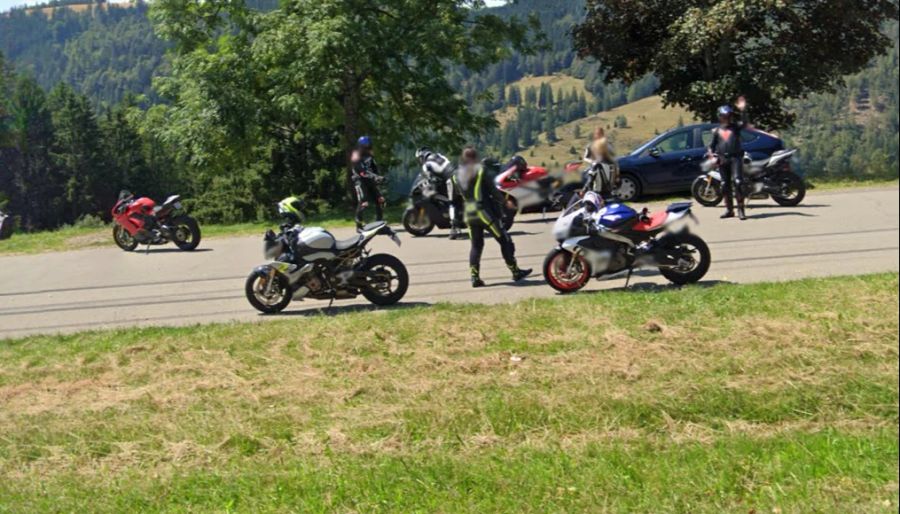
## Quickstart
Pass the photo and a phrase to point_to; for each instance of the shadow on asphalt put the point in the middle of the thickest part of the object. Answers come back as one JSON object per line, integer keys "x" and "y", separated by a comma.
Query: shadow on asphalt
{"x": 172, "y": 250}
{"x": 652, "y": 287}
{"x": 776, "y": 206}
{"x": 335, "y": 310}
{"x": 522, "y": 283}
{"x": 779, "y": 215}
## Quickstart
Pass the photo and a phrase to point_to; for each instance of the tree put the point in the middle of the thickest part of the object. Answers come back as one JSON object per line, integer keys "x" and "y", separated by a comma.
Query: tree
{"x": 78, "y": 152}
{"x": 707, "y": 52}
{"x": 313, "y": 67}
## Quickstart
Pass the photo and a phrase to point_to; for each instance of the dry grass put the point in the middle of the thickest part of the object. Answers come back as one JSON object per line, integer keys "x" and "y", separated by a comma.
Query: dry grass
{"x": 697, "y": 368}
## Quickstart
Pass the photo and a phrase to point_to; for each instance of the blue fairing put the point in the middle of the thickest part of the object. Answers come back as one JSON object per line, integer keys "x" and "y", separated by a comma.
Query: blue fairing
{"x": 615, "y": 214}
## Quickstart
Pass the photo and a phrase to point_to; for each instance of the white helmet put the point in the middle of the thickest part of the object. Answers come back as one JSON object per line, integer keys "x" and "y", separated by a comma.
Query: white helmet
{"x": 592, "y": 201}
{"x": 422, "y": 154}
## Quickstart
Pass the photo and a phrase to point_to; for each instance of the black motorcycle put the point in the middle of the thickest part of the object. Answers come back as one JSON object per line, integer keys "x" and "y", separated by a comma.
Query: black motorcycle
{"x": 429, "y": 207}
{"x": 772, "y": 177}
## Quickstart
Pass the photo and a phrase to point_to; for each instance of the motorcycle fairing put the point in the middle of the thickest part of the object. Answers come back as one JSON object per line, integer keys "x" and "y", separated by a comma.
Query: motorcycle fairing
{"x": 615, "y": 215}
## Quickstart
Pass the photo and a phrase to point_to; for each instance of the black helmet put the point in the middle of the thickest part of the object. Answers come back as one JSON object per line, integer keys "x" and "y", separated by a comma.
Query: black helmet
{"x": 519, "y": 162}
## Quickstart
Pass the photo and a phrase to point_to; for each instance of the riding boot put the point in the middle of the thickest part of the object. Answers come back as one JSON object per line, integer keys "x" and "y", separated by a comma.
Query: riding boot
{"x": 729, "y": 208}
{"x": 476, "y": 279}
{"x": 518, "y": 273}
{"x": 741, "y": 214}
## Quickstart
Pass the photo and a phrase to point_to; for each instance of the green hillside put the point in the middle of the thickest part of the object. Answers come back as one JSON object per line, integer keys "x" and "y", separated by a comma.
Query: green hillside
{"x": 644, "y": 119}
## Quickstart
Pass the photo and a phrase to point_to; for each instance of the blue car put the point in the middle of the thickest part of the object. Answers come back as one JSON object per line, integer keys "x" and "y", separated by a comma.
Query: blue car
{"x": 670, "y": 162}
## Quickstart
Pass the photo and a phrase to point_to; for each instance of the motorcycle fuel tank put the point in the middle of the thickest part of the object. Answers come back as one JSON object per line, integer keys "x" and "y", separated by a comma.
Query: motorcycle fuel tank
{"x": 615, "y": 214}
{"x": 316, "y": 238}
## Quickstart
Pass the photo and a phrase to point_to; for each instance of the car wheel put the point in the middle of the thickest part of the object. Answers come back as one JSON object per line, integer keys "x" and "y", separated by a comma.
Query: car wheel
{"x": 629, "y": 188}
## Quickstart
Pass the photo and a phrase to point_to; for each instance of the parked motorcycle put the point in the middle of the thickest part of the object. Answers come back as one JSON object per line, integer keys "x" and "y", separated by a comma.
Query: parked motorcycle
{"x": 142, "y": 221}
{"x": 429, "y": 207}
{"x": 308, "y": 262}
{"x": 6, "y": 226}
{"x": 762, "y": 178}
{"x": 535, "y": 189}
{"x": 616, "y": 239}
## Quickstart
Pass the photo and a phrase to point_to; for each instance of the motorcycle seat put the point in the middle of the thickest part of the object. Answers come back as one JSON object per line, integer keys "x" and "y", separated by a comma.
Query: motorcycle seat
{"x": 653, "y": 222}
{"x": 346, "y": 244}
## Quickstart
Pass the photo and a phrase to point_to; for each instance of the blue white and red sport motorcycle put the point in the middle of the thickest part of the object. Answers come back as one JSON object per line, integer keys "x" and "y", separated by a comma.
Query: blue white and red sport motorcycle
{"x": 597, "y": 240}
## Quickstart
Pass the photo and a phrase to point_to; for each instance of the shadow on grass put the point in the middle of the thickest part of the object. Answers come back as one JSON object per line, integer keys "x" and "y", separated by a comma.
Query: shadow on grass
{"x": 335, "y": 310}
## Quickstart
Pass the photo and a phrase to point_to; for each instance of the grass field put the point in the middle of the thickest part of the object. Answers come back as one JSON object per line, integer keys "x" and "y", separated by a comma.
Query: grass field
{"x": 732, "y": 398}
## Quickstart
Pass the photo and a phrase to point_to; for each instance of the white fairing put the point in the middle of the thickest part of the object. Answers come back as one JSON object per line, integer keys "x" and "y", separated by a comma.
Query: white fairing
{"x": 526, "y": 195}
{"x": 316, "y": 237}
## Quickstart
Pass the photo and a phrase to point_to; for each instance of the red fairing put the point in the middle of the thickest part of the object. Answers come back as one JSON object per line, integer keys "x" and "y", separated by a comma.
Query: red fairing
{"x": 657, "y": 219}
{"x": 132, "y": 217}
{"x": 532, "y": 173}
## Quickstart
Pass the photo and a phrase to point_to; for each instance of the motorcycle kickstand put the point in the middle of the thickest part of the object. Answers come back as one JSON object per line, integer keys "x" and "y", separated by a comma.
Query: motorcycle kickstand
{"x": 628, "y": 277}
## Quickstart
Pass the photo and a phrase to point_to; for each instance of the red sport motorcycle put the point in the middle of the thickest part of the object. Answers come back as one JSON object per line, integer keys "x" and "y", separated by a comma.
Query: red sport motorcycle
{"x": 142, "y": 221}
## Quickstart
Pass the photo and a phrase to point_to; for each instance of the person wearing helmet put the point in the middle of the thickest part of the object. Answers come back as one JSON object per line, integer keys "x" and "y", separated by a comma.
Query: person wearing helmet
{"x": 515, "y": 167}
{"x": 366, "y": 180}
{"x": 439, "y": 170}
{"x": 726, "y": 145}
{"x": 483, "y": 207}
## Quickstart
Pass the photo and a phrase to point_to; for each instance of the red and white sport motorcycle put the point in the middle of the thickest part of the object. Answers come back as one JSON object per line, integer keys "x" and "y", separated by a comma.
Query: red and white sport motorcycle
{"x": 597, "y": 240}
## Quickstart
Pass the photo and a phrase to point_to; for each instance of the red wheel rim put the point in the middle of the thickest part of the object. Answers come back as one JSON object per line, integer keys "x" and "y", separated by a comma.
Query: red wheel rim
{"x": 557, "y": 276}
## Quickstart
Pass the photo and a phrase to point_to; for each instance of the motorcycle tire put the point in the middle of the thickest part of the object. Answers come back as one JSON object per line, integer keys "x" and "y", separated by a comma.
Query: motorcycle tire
{"x": 795, "y": 183}
{"x": 560, "y": 258}
{"x": 705, "y": 198}
{"x": 266, "y": 308}
{"x": 189, "y": 223}
{"x": 123, "y": 239}
{"x": 381, "y": 262}
{"x": 693, "y": 275}
{"x": 410, "y": 226}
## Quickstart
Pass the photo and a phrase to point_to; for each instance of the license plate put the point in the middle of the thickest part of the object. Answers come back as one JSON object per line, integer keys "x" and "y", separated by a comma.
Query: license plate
{"x": 395, "y": 239}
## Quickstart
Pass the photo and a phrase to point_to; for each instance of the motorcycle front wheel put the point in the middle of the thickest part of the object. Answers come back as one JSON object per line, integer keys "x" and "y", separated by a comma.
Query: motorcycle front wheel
{"x": 123, "y": 239}
{"x": 563, "y": 274}
{"x": 268, "y": 300}
{"x": 694, "y": 261}
{"x": 707, "y": 193}
{"x": 186, "y": 233}
{"x": 793, "y": 190}
{"x": 386, "y": 279}
{"x": 417, "y": 222}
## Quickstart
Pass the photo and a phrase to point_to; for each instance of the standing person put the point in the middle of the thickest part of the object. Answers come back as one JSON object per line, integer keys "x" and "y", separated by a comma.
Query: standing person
{"x": 366, "y": 180}
{"x": 483, "y": 209}
{"x": 726, "y": 145}
{"x": 440, "y": 171}
{"x": 603, "y": 174}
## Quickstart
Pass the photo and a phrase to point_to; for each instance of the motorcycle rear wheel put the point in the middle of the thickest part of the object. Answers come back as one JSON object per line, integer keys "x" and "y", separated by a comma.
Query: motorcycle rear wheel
{"x": 123, "y": 239}
{"x": 255, "y": 286}
{"x": 706, "y": 194}
{"x": 556, "y": 266}
{"x": 417, "y": 222}
{"x": 186, "y": 233}
{"x": 387, "y": 279}
{"x": 796, "y": 189}
{"x": 692, "y": 271}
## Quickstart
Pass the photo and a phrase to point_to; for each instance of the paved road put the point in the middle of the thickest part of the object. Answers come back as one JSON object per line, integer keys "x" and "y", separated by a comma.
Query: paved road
{"x": 833, "y": 233}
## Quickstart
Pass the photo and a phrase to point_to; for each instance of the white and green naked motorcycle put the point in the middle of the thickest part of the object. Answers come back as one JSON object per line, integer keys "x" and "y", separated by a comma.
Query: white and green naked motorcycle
{"x": 308, "y": 262}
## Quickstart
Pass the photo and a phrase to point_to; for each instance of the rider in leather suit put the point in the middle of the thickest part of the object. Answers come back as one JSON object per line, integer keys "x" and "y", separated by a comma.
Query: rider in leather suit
{"x": 440, "y": 171}
{"x": 366, "y": 180}
{"x": 483, "y": 213}
{"x": 726, "y": 145}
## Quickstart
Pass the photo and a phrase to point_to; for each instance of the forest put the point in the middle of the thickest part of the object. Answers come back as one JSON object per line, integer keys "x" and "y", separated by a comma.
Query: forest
{"x": 93, "y": 102}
